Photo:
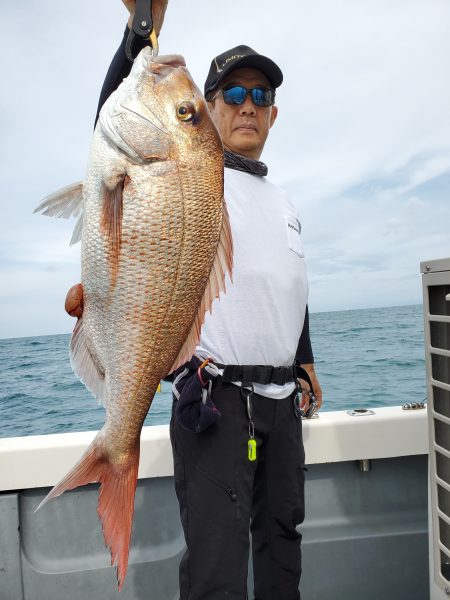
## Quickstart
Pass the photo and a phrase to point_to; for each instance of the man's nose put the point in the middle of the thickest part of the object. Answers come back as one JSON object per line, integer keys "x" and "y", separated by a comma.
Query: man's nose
{"x": 247, "y": 108}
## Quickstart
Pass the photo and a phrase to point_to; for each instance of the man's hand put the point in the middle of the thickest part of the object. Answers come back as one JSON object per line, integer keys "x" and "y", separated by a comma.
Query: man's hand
{"x": 309, "y": 368}
{"x": 74, "y": 301}
{"x": 158, "y": 11}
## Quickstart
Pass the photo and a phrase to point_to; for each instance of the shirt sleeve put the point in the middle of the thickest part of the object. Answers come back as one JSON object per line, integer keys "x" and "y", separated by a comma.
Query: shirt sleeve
{"x": 119, "y": 68}
{"x": 304, "y": 354}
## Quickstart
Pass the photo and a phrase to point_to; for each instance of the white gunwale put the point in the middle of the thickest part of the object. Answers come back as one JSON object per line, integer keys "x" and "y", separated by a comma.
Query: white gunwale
{"x": 41, "y": 461}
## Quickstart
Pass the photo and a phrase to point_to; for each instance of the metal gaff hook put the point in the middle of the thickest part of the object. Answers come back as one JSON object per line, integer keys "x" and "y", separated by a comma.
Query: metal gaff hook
{"x": 142, "y": 27}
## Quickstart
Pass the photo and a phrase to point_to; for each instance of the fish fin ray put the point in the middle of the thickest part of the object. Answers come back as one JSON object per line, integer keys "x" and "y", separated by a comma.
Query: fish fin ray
{"x": 223, "y": 263}
{"x": 115, "y": 499}
{"x": 66, "y": 202}
{"x": 116, "y": 509}
{"x": 111, "y": 222}
{"x": 78, "y": 230}
{"x": 86, "y": 365}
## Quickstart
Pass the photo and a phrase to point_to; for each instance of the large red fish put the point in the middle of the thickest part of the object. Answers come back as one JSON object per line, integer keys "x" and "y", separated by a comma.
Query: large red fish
{"x": 156, "y": 245}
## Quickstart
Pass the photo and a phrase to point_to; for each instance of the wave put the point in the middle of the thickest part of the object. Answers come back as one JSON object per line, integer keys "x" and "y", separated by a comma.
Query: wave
{"x": 363, "y": 358}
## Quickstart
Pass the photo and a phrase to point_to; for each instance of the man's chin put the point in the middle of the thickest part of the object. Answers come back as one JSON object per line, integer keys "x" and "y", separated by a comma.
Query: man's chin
{"x": 243, "y": 144}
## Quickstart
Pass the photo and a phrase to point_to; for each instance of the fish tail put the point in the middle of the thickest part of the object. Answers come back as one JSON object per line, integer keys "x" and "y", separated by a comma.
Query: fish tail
{"x": 115, "y": 500}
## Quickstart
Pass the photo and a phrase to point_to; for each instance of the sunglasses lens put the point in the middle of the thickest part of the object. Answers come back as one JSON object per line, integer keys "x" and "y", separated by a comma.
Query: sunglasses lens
{"x": 262, "y": 97}
{"x": 234, "y": 95}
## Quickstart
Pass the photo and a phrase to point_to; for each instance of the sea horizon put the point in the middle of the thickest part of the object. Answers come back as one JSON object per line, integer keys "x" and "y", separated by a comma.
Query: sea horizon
{"x": 321, "y": 312}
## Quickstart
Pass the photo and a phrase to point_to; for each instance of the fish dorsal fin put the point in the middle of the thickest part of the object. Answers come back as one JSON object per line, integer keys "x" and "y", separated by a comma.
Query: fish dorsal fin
{"x": 86, "y": 365}
{"x": 223, "y": 263}
{"x": 65, "y": 203}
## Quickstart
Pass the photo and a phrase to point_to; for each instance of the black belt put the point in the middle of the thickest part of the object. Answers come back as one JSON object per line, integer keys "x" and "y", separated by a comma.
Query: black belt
{"x": 263, "y": 374}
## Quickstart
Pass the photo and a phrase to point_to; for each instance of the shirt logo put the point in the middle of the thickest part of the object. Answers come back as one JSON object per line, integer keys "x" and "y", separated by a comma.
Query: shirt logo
{"x": 292, "y": 226}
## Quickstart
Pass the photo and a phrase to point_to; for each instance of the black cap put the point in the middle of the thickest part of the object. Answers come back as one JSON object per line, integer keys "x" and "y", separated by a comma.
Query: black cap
{"x": 236, "y": 58}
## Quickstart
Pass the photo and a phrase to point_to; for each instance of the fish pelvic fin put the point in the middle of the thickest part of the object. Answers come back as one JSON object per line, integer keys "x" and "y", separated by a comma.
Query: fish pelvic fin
{"x": 223, "y": 264}
{"x": 66, "y": 202}
{"x": 86, "y": 365}
{"x": 115, "y": 500}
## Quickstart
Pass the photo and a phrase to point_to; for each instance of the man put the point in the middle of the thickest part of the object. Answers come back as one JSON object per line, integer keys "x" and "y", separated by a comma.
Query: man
{"x": 257, "y": 322}
{"x": 247, "y": 469}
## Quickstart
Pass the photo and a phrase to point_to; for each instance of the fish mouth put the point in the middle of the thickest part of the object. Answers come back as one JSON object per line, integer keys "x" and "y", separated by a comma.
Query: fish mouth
{"x": 174, "y": 60}
{"x": 162, "y": 66}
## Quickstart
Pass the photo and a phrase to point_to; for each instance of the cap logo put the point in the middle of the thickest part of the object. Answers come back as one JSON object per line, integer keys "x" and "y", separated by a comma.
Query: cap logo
{"x": 230, "y": 58}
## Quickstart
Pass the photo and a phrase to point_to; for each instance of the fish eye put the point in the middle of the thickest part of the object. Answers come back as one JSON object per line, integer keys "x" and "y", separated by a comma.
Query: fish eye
{"x": 186, "y": 111}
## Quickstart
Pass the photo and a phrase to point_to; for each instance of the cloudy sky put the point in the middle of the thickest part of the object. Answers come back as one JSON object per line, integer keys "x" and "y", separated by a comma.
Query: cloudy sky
{"x": 362, "y": 142}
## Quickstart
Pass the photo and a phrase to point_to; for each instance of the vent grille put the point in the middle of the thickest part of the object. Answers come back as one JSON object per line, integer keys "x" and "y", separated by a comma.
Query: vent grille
{"x": 436, "y": 295}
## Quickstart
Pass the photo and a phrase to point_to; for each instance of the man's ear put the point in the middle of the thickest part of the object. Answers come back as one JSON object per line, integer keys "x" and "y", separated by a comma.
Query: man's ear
{"x": 273, "y": 115}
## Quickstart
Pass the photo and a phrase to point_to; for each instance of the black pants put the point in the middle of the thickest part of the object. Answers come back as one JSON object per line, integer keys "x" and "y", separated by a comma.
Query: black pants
{"x": 222, "y": 494}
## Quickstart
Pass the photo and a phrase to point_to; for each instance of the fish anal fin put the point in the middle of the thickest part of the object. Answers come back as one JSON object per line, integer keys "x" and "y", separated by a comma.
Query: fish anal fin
{"x": 223, "y": 263}
{"x": 115, "y": 500}
{"x": 84, "y": 362}
{"x": 111, "y": 221}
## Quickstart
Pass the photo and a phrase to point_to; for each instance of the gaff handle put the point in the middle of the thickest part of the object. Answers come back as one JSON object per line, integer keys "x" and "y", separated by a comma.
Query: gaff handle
{"x": 141, "y": 27}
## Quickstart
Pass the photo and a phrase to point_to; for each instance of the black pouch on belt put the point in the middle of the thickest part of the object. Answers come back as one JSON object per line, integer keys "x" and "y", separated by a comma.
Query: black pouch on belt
{"x": 194, "y": 409}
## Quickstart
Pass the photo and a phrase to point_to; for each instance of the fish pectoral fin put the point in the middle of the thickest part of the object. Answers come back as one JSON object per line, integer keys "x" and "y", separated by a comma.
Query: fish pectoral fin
{"x": 65, "y": 203}
{"x": 223, "y": 264}
{"x": 115, "y": 499}
{"x": 86, "y": 365}
{"x": 111, "y": 219}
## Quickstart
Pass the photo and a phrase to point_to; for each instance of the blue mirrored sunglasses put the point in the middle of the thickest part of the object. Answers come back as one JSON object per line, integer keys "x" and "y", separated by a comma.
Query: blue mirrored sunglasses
{"x": 238, "y": 93}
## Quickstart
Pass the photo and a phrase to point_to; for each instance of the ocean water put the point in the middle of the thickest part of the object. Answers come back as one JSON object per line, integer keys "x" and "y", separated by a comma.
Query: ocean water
{"x": 364, "y": 358}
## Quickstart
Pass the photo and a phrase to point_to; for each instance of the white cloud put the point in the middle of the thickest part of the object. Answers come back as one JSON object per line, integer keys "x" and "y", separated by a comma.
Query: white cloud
{"x": 428, "y": 169}
{"x": 368, "y": 247}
